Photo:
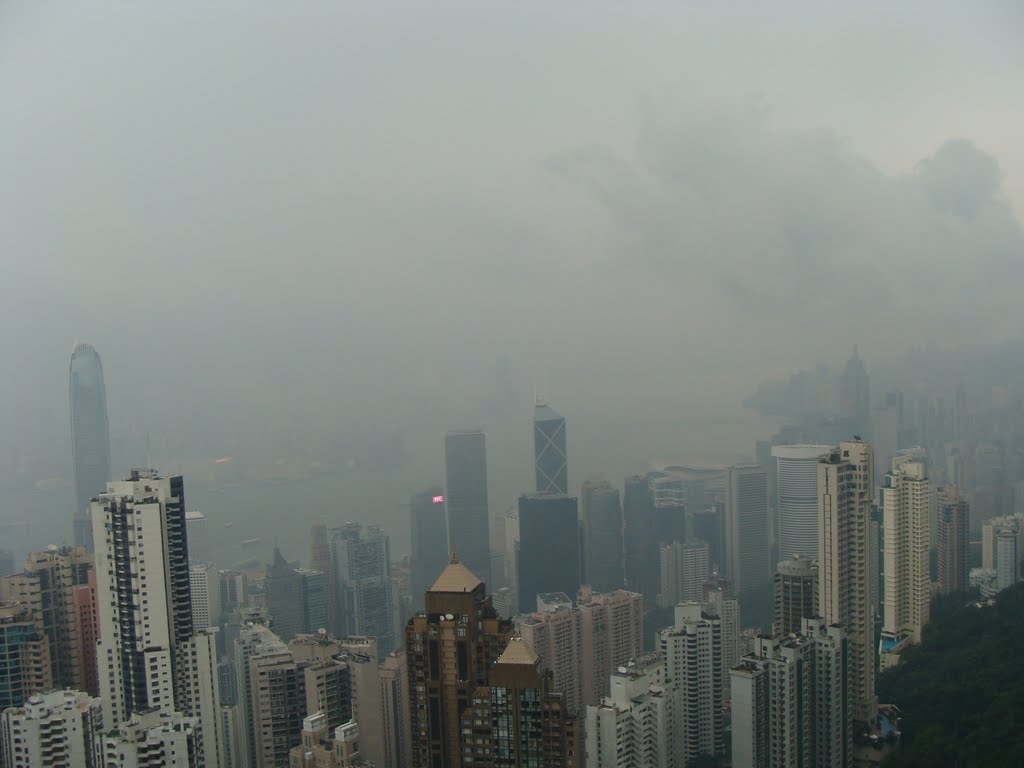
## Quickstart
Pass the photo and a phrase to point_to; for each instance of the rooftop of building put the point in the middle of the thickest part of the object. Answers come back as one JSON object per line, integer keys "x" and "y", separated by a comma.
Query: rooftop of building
{"x": 544, "y": 412}
{"x": 800, "y": 452}
{"x": 518, "y": 651}
{"x": 456, "y": 578}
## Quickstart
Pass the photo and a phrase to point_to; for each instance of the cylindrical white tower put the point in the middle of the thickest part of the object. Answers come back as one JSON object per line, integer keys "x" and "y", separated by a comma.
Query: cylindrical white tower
{"x": 798, "y": 499}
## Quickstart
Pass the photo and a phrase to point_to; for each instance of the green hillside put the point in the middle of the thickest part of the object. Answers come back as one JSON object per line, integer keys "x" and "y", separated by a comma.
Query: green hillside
{"x": 962, "y": 691}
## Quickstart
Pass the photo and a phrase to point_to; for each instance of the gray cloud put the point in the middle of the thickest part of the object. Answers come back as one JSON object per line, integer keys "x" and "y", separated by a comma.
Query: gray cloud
{"x": 800, "y": 227}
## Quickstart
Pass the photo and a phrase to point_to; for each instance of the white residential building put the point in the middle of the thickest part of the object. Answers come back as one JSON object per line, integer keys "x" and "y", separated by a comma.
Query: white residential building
{"x": 684, "y": 567}
{"x": 846, "y": 563}
{"x": 51, "y": 730}
{"x": 633, "y": 726}
{"x": 693, "y": 675}
{"x": 195, "y": 525}
{"x": 907, "y": 505}
{"x": 790, "y": 701}
{"x": 151, "y": 739}
{"x": 720, "y": 603}
{"x": 204, "y": 582}
{"x": 149, "y": 656}
{"x": 143, "y": 600}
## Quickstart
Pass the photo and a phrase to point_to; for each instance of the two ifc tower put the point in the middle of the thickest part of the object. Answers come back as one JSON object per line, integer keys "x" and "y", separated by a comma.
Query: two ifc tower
{"x": 90, "y": 436}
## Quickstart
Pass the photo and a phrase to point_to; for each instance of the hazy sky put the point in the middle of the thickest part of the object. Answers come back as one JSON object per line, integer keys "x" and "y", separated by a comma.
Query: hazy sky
{"x": 328, "y": 217}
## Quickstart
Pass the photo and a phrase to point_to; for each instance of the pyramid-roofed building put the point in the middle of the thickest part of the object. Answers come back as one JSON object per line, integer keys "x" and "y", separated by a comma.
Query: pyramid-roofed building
{"x": 456, "y": 578}
{"x": 518, "y": 651}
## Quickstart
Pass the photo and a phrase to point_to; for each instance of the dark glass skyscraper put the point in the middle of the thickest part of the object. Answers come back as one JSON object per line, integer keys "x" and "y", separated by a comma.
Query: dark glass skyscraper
{"x": 549, "y": 547}
{"x": 855, "y": 396}
{"x": 429, "y": 540}
{"x": 283, "y": 586}
{"x": 550, "y": 459}
{"x": 465, "y": 459}
{"x": 602, "y": 537}
{"x": 90, "y": 436}
{"x": 640, "y": 543}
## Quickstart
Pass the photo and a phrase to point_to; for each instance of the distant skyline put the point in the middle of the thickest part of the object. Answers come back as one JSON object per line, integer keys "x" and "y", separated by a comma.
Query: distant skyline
{"x": 332, "y": 234}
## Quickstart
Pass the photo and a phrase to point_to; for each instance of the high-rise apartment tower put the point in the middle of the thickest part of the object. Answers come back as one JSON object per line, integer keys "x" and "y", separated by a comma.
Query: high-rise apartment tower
{"x": 845, "y": 489}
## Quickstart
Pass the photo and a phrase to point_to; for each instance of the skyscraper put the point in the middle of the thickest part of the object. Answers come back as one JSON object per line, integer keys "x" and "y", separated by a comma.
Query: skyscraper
{"x": 325, "y": 747}
{"x": 669, "y": 496}
{"x": 601, "y": 521}
{"x": 277, "y": 685}
{"x": 952, "y": 540}
{"x": 553, "y": 631}
{"x": 48, "y": 586}
{"x": 684, "y": 568}
{"x": 549, "y": 547}
{"x": 789, "y": 701}
{"x": 641, "y": 543}
{"x": 254, "y": 640}
{"x": 283, "y": 587}
{"x": 748, "y": 554}
{"x": 692, "y": 648}
{"x": 143, "y": 592}
{"x": 845, "y": 488}
{"x": 707, "y": 524}
{"x": 855, "y": 396}
{"x": 152, "y": 739}
{"x": 313, "y": 588}
{"x": 1007, "y": 557}
{"x": 150, "y": 659}
{"x": 519, "y": 719}
{"x": 719, "y": 602}
{"x": 798, "y": 499}
{"x": 363, "y": 662}
{"x": 429, "y": 540}
{"x": 204, "y": 584}
{"x": 56, "y": 729}
{"x": 365, "y": 591}
{"x": 465, "y": 458}
{"x": 635, "y": 724}
{"x": 195, "y": 529}
{"x": 394, "y": 682}
{"x": 795, "y": 594}
{"x": 611, "y": 633}
{"x": 461, "y": 628}
{"x": 549, "y": 450}
{"x": 24, "y": 655}
{"x": 907, "y": 509}
{"x": 87, "y": 632}
{"x": 320, "y": 560}
{"x": 234, "y": 590}
{"x": 327, "y": 678}
{"x": 90, "y": 436}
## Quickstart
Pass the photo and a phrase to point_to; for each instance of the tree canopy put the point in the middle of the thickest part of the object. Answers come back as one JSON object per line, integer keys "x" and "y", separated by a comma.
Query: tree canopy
{"x": 961, "y": 692}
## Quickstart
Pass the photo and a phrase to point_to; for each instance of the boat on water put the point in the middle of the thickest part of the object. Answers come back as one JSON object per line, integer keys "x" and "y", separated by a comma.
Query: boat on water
{"x": 251, "y": 542}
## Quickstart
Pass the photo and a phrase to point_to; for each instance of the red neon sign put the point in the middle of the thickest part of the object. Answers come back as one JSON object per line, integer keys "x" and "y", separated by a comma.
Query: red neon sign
{"x": 439, "y": 499}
